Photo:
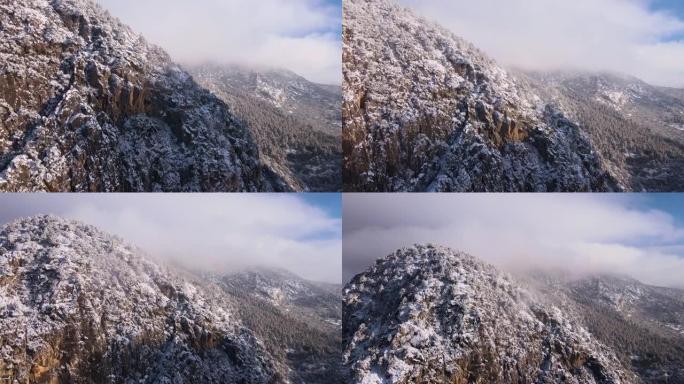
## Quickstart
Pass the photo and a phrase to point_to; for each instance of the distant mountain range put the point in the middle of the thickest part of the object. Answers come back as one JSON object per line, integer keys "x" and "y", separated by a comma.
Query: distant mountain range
{"x": 78, "y": 305}
{"x": 296, "y": 124}
{"x": 87, "y": 105}
{"x": 637, "y": 128}
{"x": 425, "y": 110}
{"x": 428, "y": 314}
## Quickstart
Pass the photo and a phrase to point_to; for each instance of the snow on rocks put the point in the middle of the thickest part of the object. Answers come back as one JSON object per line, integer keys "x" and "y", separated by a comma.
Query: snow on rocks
{"x": 76, "y": 302}
{"x": 417, "y": 98}
{"x": 431, "y": 314}
{"x": 90, "y": 106}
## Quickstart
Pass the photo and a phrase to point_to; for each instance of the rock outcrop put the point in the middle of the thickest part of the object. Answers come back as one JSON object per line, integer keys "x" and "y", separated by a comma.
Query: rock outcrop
{"x": 424, "y": 110}
{"x": 433, "y": 315}
{"x": 80, "y": 306}
{"x": 88, "y": 105}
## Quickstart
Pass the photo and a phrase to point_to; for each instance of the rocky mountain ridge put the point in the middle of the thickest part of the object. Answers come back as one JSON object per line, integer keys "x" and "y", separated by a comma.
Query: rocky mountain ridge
{"x": 79, "y": 305}
{"x": 643, "y": 324}
{"x": 428, "y": 314}
{"x": 280, "y": 306}
{"x": 87, "y": 105}
{"x": 284, "y": 89}
{"x": 283, "y": 288}
{"x": 637, "y": 127}
{"x": 425, "y": 110}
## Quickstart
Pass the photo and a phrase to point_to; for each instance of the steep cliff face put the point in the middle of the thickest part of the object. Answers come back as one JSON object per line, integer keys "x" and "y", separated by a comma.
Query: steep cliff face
{"x": 88, "y": 105}
{"x": 78, "y": 305}
{"x": 295, "y": 123}
{"x": 432, "y": 315}
{"x": 425, "y": 111}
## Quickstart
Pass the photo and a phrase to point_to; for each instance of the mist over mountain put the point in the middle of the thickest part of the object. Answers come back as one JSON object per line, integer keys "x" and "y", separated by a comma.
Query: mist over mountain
{"x": 80, "y": 305}
{"x": 424, "y": 110}
{"x": 224, "y": 233}
{"x": 432, "y": 314}
{"x": 86, "y": 104}
{"x": 299, "y": 35}
{"x": 641, "y": 38}
{"x": 638, "y": 235}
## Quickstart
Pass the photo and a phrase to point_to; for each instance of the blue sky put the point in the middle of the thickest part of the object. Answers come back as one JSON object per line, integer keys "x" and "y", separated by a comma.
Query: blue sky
{"x": 672, "y": 203}
{"x": 669, "y": 205}
{"x": 674, "y": 7}
{"x": 329, "y": 202}
{"x": 336, "y": 9}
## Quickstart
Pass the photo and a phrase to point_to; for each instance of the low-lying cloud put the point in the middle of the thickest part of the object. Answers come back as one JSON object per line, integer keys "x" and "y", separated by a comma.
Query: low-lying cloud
{"x": 577, "y": 233}
{"x": 624, "y": 36}
{"x": 222, "y": 232}
{"x": 299, "y": 35}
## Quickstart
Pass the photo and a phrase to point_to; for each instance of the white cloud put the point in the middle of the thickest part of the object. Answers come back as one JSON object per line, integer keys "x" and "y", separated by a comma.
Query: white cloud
{"x": 580, "y": 233}
{"x": 220, "y": 232}
{"x": 288, "y": 34}
{"x": 615, "y": 35}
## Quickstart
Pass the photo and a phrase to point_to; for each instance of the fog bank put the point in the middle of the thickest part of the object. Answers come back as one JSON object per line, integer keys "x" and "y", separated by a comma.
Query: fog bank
{"x": 581, "y": 233}
{"x": 626, "y": 36}
{"x": 215, "y": 232}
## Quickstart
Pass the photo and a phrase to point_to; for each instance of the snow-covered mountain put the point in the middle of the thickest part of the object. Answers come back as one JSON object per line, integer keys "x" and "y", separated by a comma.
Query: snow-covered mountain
{"x": 317, "y": 104}
{"x": 428, "y": 314}
{"x": 87, "y": 105}
{"x": 79, "y": 305}
{"x": 638, "y": 128}
{"x": 424, "y": 110}
{"x": 287, "y": 290}
{"x": 296, "y": 123}
{"x": 279, "y": 305}
{"x": 643, "y": 324}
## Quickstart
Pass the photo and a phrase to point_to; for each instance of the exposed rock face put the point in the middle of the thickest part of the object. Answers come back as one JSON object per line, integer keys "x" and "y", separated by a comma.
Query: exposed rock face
{"x": 432, "y": 315}
{"x": 296, "y": 123}
{"x": 88, "y": 105}
{"x": 425, "y": 111}
{"x": 80, "y": 306}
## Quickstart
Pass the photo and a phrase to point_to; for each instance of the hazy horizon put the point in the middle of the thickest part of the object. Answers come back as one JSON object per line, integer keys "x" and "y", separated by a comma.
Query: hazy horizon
{"x": 641, "y": 38}
{"x": 207, "y": 232}
{"x": 638, "y": 236}
{"x": 302, "y": 36}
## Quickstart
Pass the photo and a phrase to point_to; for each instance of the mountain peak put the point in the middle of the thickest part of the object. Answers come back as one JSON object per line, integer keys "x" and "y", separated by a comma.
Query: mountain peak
{"x": 44, "y": 219}
{"x": 64, "y": 284}
{"x": 427, "y": 257}
{"x": 437, "y": 315}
